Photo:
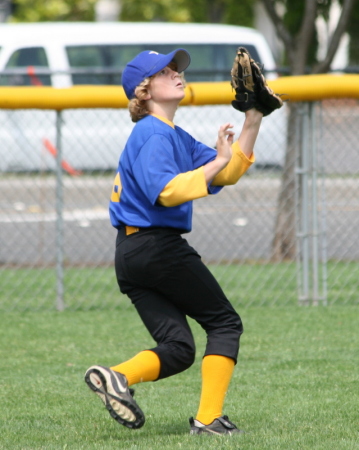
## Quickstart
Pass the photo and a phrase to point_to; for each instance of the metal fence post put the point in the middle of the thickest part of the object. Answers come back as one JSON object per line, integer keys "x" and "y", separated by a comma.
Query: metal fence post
{"x": 310, "y": 235}
{"x": 303, "y": 205}
{"x": 322, "y": 201}
{"x": 60, "y": 304}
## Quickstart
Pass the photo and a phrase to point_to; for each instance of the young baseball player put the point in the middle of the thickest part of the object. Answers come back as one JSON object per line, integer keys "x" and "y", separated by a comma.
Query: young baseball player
{"x": 161, "y": 171}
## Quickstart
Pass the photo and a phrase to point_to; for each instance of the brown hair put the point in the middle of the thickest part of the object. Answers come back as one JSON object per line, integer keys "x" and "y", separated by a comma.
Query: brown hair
{"x": 138, "y": 105}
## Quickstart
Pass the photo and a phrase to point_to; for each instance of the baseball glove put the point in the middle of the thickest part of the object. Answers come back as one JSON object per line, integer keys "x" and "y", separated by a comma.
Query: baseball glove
{"x": 251, "y": 86}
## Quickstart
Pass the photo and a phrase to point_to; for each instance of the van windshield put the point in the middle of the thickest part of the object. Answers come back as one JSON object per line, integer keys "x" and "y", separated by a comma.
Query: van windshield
{"x": 103, "y": 64}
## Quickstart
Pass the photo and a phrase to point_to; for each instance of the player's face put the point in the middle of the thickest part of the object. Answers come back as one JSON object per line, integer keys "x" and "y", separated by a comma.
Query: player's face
{"x": 166, "y": 85}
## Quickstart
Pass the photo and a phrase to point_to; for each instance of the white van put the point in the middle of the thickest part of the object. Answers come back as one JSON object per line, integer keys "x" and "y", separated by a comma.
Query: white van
{"x": 66, "y": 54}
{"x": 81, "y": 47}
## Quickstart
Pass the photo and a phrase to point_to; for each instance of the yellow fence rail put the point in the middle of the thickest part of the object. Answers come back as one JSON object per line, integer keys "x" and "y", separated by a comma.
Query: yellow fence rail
{"x": 293, "y": 88}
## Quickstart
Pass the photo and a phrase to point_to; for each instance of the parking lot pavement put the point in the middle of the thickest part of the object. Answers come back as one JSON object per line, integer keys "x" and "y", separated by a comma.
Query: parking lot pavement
{"x": 236, "y": 224}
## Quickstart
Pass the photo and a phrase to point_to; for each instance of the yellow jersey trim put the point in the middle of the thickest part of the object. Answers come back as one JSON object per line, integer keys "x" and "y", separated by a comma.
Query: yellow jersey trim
{"x": 116, "y": 189}
{"x": 171, "y": 124}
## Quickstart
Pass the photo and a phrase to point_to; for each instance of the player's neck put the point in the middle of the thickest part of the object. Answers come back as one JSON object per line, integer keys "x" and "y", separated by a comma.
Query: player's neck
{"x": 166, "y": 110}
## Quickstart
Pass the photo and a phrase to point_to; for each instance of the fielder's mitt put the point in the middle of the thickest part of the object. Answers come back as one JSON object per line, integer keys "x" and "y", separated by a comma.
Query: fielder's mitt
{"x": 251, "y": 87}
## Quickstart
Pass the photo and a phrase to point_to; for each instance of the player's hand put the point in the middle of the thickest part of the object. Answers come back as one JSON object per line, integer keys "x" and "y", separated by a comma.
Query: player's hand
{"x": 224, "y": 152}
{"x": 224, "y": 142}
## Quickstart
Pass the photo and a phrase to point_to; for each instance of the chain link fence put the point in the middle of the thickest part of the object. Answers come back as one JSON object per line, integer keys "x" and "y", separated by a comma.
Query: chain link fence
{"x": 57, "y": 244}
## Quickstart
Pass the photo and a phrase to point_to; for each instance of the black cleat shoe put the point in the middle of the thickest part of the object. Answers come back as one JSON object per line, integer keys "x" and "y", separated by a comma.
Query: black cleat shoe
{"x": 222, "y": 425}
{"x": 113, "y": 390}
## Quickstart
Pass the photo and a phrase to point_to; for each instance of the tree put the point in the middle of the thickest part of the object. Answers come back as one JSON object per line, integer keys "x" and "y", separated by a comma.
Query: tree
{"x": 212, "y": 11}
{"x": 353, "y": 31}
{"x": 231, "y": 12}
{"x": 297, "y": 30}
{"x": 155, "y": 10}
{"x": 53, "y": 10}
{"x": 5, "y": 10}
{"x": 200, "y": 11}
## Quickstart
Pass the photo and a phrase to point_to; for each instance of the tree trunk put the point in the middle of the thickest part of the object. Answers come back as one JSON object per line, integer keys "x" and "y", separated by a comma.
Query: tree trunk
{"x": 5, "y": 10}
{"x": 297, "y": 45}
{"x": 284, "y": 241}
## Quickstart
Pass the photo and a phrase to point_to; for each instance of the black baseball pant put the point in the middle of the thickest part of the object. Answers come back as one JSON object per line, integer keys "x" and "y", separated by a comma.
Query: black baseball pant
{"x": 166, "y": 281}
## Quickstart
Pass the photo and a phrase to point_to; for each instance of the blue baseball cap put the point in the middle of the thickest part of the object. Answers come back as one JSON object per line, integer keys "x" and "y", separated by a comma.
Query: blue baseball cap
{"x": 148, "y": 63}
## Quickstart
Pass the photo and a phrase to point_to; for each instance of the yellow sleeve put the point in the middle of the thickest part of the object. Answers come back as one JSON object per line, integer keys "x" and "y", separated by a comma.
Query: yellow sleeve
{"x": 116, "y": 189}
{"x": 237, "y": 166}
{"x": 183, "y": 188}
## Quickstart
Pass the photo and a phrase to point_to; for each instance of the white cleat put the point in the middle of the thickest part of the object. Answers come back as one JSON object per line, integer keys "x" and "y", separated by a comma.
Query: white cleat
{"x": 112, "y": 388}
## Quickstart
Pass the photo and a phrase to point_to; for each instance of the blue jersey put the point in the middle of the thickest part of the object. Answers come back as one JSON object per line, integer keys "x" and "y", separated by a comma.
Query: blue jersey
{"x": 155, "y": 153}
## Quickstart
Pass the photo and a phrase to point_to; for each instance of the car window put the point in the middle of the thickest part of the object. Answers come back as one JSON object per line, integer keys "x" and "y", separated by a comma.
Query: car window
{"x": 85, "y": 56}
{"x": 210, "y": 62}
{"x": 31, "y": 58}
{"x": 103, "y": 63}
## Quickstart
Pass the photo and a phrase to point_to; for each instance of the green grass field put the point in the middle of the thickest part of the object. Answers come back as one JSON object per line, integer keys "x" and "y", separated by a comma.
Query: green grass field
{"x": 296, "y": 385}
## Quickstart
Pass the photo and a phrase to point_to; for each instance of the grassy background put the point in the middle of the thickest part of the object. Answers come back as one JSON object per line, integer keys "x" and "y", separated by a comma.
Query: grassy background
{"x": 296, "y": 385}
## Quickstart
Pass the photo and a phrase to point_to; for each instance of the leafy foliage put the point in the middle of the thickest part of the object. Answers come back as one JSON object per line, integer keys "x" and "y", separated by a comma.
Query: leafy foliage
{"x": 53, "y": 10}
{"x": 295, "y": 23}
{"x": 155, "y": 10}
{"x": 200, "y": 11}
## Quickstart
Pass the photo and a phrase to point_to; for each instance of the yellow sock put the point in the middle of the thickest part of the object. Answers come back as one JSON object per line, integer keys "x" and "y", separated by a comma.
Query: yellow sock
{"x": 217, "y": 372}
{"x": 145, "y": 366}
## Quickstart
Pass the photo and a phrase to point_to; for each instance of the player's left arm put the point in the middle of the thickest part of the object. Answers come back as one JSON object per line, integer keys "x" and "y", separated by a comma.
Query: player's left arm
{"x": 195, "y": 183}
{"x": 242, "y": 156}
{"x": 238, "y": 165}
